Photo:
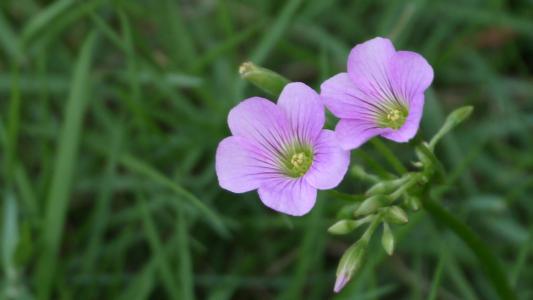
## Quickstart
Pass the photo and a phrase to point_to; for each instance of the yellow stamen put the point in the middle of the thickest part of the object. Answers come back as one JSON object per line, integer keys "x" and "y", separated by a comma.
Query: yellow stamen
{"x": 298, "y": 159}
{"x": 394, "y": 115}
{"x": 300, "y": 163}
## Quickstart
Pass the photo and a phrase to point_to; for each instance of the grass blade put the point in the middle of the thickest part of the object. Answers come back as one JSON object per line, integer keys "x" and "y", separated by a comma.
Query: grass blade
{"x": 437, "y": 278}
{"x": 40, "y": 21}
{"x": 138, "y": 166}
{"x": 158, "y": 251}
{"x": 185, "y": 260}
{"x": 9, "y": 40}
{"x": 65, "y": 161}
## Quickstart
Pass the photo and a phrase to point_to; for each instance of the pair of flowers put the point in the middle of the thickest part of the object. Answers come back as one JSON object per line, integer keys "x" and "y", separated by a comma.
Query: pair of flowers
{"x": 283, "y": 151}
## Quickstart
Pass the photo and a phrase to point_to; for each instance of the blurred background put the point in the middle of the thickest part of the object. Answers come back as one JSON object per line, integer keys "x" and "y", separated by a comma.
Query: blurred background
{"x": 111, "y": 111}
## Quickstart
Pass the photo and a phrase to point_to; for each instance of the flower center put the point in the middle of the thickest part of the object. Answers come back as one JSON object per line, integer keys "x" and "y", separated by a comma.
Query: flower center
{"x": 297, "y": 161}
{"x": 393, "y": 118}
{"x": 393, "y": 115}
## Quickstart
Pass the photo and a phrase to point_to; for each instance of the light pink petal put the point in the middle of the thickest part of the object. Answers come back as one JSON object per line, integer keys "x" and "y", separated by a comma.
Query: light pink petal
{"x": 241, "y": 166}
{"x": 344, "y": 99}
{"x": 410, "y": 127}
{"x": 261, "y": 122}
{"x": 368, "y": 67}
{"x": 330, "y": 162}
{"x": 353, "y": 133}
{"x": 303, "y": 108}
{"x": 410, "y": 74}
{"x": 290, "y": 196}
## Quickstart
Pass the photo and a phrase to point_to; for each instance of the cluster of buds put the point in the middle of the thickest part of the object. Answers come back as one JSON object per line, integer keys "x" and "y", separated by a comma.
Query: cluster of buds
{"x": 386, "y": 202}
{"x": 381, "y": 207}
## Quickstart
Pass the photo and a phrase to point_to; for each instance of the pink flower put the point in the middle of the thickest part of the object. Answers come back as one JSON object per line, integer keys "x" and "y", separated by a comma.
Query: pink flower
{"x": 381, "y": 94}
{"x": 281, "y": 150}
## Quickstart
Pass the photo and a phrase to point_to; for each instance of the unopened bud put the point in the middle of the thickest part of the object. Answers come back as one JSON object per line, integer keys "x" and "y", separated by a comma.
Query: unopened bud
{"x": 347, "y": 226}
{"x": 413, "y": 202}
{"x": 425, "y": 160}
{"x": 371, "y": 205}
{"x": 455, "y": 118}
{"x": 360, "y": 173}
{"x": 349, "y": 264}
{"x": 265, "y": 79}
{"x": 387, "y": 239}
{"x": 346, "y": 212}
{"x": 387, "y": 186}
{"x": 396, "y": 215}
{"x": 382, "y": 187}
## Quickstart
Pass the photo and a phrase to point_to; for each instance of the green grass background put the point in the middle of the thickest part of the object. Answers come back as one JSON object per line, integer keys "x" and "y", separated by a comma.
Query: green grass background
{"x": 111, "y": 111}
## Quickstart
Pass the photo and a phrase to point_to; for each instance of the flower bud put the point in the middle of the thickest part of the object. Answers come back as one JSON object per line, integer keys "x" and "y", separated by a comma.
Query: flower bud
{"x": 360, "y": 173}
{"x": 347, "y": 226}
{"x": 382, "y": 187}
{"x": 424, "y": 159}
{"x": 349, "y": 264}
{"x": 396, "y": 215}
{"x": 370, "y": 205}
{"x": 387, "y": 186}
{"x": 455, "y": 118}
{"x": 413, "y": 202}
{"x": 265, "y": 79}
{"x": 387, "y": 239}
{"x": 346, "y": 212}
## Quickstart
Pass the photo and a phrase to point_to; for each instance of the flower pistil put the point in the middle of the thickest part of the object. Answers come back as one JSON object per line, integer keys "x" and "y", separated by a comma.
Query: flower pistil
{"x": 297, "y": 161}
{"x": 393, "y": 117}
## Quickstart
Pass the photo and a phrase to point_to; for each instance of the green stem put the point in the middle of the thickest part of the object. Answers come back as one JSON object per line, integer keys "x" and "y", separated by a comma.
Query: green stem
{"x": 489, "y": 262}
{"x": 389, "y": 156}
{"x": 412, "y": 181}
{"x": 370, "y": 230}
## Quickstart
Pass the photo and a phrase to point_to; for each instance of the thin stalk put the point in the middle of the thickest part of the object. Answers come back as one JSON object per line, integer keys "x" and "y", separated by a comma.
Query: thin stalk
{"x": 389, "y": 156}
{"x": 489, "y": 262}
{"x": 412, "y": 181}
{"x": 370, "y": 230}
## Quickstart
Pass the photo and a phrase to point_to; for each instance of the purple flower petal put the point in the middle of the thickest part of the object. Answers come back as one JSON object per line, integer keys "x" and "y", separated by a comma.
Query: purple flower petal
{"x": 342, "y": 97}
{"x": 368, "y": 65}
{"x": 263, "y": 152}
{"x": 241, "y": 166}
{"x": 290, "y": 196}
{"x": 261, "y": 122}
{"x": 304, "y": 110}
{"x": 382, "y": 93}
{"x": 410, "y": 127}
{"x": 410, "y": 75}
{"x": 330, "y": 162}
{"x": 353, "y": 133}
